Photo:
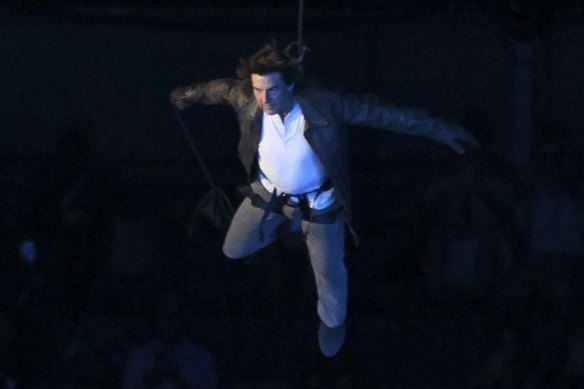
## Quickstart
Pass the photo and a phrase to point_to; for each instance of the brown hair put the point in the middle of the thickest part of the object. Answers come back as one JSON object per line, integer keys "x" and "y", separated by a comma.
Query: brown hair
{"x": 268, "y": 59}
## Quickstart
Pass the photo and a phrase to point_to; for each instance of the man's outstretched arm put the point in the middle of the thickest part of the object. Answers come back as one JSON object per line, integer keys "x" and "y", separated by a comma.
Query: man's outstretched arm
{"x": 221, "y": 91}
{"x": 369, "y": 112}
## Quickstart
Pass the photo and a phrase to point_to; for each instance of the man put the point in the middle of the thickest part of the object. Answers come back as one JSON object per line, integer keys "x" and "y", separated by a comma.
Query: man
{"x": 293, "y": 148}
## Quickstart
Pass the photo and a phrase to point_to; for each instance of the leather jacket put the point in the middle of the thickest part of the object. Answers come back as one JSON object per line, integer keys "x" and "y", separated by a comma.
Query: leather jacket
{"x": 327, "y": 114}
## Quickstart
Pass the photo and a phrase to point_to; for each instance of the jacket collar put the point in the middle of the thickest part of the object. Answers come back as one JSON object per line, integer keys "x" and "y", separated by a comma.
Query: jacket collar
{"x": 313, "y": 117}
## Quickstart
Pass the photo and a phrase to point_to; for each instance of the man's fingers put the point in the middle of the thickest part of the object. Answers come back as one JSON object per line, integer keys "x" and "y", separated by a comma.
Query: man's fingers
{"x": 465, "y": 136}
{"x": 456, "y": 147}
{"x": 177, "y": 98}
{"x": 469, "y": 138}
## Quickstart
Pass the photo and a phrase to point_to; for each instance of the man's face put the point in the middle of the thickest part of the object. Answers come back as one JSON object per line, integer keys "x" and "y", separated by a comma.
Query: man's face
{"x": 272, "y": 93}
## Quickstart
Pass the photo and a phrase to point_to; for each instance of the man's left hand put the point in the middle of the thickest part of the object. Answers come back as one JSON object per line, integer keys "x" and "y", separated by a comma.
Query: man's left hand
{"x": 454, "y": 137}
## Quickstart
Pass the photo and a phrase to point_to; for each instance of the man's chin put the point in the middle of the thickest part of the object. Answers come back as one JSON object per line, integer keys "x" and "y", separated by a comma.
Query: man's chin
{"x": 270, "y": 110}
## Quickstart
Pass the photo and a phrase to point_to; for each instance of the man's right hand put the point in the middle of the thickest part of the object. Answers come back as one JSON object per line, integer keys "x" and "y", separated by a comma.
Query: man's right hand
{"x": 177, "y": 98}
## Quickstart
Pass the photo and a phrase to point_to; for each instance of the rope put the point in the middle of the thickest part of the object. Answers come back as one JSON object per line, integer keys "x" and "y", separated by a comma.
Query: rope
{"x": 194, "y": 148}
{"x": 215, "y": 204}
{"x": 300, "y": 20}
{"x": 298, "y": 43}
{"x": 219, "y": 202}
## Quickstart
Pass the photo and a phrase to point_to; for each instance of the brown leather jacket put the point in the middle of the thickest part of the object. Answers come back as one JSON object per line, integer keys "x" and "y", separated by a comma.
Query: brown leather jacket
{"x": 327, "y": 114}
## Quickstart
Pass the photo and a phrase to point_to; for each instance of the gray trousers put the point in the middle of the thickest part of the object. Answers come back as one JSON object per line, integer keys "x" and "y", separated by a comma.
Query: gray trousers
{"x": 325, "y": 243}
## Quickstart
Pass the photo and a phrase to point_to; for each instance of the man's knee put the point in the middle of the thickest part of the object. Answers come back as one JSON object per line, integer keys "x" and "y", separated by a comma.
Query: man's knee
{"x": 236, "y": 250}
{"x": 333, "y": 315}
{"x": 332, "y": 321}
{"x": 233, "y": 252}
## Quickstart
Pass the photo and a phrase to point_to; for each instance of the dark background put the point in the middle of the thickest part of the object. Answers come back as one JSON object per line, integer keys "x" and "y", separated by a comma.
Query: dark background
{"x": 470, "y": 268}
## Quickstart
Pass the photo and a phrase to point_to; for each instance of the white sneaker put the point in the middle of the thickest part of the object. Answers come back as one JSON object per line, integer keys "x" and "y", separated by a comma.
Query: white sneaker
{"x": 331, "y": 339}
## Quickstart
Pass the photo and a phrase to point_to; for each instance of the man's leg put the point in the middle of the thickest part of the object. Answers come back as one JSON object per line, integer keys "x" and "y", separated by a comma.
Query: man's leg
{"x": 326, "y": 247}
{"x": 244, "y": 237}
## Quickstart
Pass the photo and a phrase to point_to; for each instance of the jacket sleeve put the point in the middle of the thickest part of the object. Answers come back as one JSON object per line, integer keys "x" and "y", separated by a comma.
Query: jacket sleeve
{"x": 367, "y": 111}
{"x": 222, "y": 91}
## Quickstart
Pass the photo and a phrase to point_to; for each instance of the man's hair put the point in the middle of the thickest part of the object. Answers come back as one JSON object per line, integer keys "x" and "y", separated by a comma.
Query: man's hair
{"x": 268, "y": 59}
